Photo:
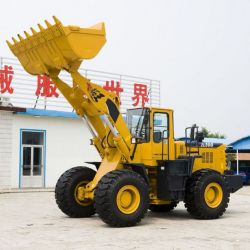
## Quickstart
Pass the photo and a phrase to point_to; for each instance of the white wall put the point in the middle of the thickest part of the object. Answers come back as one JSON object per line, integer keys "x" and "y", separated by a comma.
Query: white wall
{"x": 67, "y": 145}
{"x": 6, "y": 120}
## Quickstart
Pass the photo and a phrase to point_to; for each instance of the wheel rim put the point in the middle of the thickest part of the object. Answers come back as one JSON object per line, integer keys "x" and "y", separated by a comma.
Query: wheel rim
{"x": 128, "y": 199}
{"x": 213, "y": 195}
{"x": 85, "y": 202}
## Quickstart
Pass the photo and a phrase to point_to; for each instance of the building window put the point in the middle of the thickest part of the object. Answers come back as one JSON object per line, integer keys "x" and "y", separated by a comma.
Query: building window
{"x": 33, "y": 138}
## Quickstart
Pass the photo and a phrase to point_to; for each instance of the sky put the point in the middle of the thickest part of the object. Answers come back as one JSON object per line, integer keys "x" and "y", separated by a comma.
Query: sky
{"x": 198, "y": 49}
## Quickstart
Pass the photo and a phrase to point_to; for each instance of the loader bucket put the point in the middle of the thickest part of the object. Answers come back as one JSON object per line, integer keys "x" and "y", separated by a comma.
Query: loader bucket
{"x": 57, "y": 47}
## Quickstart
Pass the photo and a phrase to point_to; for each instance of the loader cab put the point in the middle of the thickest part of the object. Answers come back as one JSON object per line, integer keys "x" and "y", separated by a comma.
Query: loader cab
{"x": 152, "y": 130}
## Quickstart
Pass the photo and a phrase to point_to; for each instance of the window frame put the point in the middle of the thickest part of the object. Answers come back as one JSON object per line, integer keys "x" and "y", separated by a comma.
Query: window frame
{"x": 21, "y": 156}
{"x": 153, "y": 130}
{"x": 146, "y": 139}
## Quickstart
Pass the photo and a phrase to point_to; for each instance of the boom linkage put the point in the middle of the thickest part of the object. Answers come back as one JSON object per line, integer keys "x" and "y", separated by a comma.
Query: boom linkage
{"x": 100, "y": 109}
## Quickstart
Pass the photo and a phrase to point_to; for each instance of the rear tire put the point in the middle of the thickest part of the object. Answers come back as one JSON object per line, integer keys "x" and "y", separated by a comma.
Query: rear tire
{"x": 207, "y": 195}
{"x": 66, "y": 192}
{"x": 121, "y": 198}
{"x": 163, "y": 208}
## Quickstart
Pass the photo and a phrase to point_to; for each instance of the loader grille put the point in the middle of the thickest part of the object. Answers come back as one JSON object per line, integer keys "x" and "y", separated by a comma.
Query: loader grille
{"x": 207, "y": 157}
{"x": 181, "y": 149}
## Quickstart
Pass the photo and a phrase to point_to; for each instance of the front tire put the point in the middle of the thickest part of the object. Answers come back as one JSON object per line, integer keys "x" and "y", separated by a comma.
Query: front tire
{"x": 207, "y": 195}
{"x": 121, "y": 198}
{"x": 66, "y": 192}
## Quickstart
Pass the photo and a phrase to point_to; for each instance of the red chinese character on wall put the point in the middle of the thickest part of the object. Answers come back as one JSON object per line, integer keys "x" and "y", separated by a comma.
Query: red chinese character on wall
{"x": 6, "y": 76}
{"x": 113, "y": 86}
{"x": 45, "y": 87}
{"x": 140, "y": 91}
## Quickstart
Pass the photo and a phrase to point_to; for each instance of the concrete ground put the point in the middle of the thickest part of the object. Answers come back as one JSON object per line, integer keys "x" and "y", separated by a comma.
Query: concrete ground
{"x": 31, "y": 220}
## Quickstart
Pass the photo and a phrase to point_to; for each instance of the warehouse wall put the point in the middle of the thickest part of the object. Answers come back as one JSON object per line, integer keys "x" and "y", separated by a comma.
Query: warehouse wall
{"x": 244, "y": 156}
{"x": 6, "y": 121}
{"x": 67, "y": 145}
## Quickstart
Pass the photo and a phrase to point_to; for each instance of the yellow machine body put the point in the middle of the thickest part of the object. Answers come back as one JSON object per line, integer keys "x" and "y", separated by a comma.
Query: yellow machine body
{"x": 56, "y": 48}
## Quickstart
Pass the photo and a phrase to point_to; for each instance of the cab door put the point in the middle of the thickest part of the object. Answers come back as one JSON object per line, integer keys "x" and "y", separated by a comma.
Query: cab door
{"x": 160, "y": 135}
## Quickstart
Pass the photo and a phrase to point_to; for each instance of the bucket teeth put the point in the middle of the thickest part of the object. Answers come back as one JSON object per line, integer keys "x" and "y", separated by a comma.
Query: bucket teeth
{"x": 56, "y": 20}
{"x": 33, "y": 31}
{"x": 9, "y": 43}
{"x": 20, "y": 37}
{"x": 48, "y": 24}
{"x": 41, "y": 28}
{"x": 27, "y": 34}
{"x": 14, "y": 40}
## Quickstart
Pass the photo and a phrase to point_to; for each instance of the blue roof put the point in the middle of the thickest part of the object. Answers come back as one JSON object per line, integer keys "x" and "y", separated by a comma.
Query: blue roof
{"x": 242, "y": 143}
{"x": 48, "y": 113}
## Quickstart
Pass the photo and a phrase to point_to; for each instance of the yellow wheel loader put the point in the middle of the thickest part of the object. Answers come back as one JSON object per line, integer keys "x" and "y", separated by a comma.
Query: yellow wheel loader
{"x": 143, "y": 167}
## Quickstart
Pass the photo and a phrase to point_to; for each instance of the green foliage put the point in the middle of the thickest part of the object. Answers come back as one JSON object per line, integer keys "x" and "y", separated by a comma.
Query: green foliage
{"x": 209, "y": 134}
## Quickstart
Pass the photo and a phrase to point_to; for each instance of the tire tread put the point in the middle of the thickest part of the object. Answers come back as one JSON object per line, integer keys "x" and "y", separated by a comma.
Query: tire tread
{"x": 103, "y": 204}
{"x": 63, "y": 194}
{"x": 194, "y": 190}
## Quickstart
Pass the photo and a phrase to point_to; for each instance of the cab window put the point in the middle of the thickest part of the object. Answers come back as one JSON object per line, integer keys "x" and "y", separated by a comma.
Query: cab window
{"x": 160, "y": 126}
{"x": 138, "y": 123}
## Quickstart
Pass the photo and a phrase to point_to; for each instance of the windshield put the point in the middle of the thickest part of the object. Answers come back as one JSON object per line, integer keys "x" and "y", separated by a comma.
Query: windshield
{"x": 138, "y": 123}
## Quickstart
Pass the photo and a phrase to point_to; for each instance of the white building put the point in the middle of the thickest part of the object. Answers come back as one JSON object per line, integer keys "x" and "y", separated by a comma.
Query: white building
{"x": 36, "y": 147}
{"x": 44, "y": 138}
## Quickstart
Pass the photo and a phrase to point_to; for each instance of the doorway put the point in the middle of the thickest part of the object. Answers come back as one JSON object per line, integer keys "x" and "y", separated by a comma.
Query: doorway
{"x": 32, "y": 170}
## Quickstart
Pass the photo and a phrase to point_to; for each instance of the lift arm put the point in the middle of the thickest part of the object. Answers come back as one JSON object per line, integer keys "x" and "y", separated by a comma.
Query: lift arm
{"x": 57, "y": 48}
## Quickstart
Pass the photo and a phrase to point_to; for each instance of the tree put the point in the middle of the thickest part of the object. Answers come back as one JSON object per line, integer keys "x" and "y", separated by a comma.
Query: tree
{"x": 208, "y": 134}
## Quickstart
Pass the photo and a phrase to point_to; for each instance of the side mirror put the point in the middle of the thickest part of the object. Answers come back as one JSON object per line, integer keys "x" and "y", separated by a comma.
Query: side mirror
{"x": 192, "y": 132}
{"x": 199, "y": 136}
